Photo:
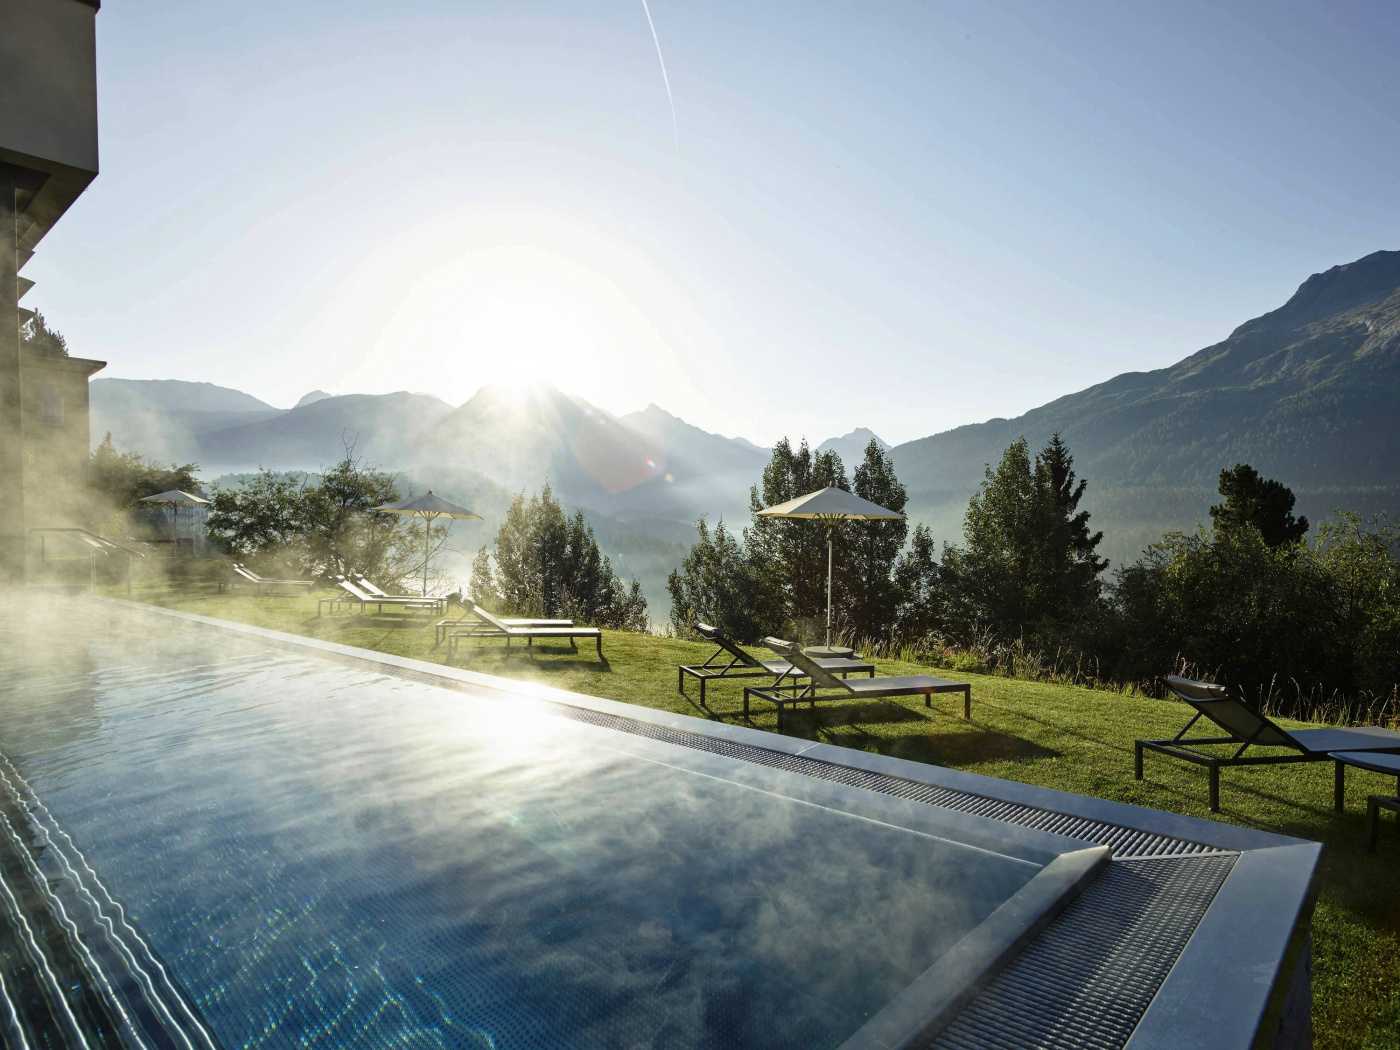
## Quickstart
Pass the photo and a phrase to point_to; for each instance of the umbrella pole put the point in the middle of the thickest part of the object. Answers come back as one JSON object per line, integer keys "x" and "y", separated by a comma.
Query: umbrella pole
{"x": 427, "y": 524}
{"x": 830, "y": 530}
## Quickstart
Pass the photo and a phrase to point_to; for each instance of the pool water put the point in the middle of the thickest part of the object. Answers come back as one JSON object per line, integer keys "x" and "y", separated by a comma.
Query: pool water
{"x": 324, "y": 856}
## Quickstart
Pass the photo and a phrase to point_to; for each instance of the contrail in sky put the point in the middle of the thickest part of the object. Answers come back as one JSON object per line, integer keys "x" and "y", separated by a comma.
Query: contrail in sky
{"x": 675, "y": 128}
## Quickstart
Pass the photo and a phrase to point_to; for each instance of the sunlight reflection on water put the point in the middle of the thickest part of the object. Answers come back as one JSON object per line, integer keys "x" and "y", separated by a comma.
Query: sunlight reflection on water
{"x": 331, "y": 857}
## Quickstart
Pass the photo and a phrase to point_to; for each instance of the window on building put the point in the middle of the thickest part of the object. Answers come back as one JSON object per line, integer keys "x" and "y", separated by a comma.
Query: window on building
{"x": 51, "y": 406}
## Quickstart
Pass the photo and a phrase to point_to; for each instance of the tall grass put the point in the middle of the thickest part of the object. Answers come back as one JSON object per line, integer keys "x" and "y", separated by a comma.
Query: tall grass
{"x": 984, "y": 653}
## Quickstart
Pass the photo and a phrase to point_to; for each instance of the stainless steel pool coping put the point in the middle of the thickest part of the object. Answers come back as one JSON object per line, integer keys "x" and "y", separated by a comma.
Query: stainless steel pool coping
{"x": 1231, "y": 982}
{"x": 934, "y": 998}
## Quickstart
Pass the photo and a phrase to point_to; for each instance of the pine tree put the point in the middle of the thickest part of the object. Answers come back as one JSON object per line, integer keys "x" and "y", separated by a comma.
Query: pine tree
{"x": 549, "y": 565}
{"x": 714, "y": 585}
{"x": 1260, "y": 503}
{"x": 872, "y": 548}
{"x": 40, "y": 339}
{"x": 1030, "y": 563}
{"x": 788, "y": 557}
{"x": 1070, "y": 564}
{"x": 483, "y": 583}
{"x": 918, "y": 584}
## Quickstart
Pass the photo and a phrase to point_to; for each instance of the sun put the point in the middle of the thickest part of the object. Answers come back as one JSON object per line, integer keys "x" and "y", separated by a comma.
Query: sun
{"x": 517, "y": 392}
{"x": 519, "y": 307}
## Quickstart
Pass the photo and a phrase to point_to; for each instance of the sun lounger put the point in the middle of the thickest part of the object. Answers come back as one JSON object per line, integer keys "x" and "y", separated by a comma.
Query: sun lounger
{"x": 370, "y": 587}
{"x": 472, "y": 624}
{"x": 731, "y": 661}
{"x": 823, "y": 685}
{"x": 1376, "y": 762}
{"x": 1249, "y": 728}
{"x": 355, "y": 595}
{"x": 262, "y": 583}
{"x": 501, "y": 629}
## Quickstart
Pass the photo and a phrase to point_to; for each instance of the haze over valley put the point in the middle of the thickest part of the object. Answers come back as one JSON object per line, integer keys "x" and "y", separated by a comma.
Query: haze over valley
{"x": 1307, "y": 393}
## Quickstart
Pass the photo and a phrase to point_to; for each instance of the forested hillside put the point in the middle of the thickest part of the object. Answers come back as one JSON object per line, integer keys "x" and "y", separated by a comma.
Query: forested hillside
{"x": 1309, "y": 393}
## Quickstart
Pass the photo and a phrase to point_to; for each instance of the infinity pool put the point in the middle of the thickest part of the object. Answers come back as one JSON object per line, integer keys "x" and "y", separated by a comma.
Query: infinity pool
{"x": 308, "y": 854}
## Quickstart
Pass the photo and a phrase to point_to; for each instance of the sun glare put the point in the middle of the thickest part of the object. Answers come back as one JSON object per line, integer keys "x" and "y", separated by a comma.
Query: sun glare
{"x": 565, "y": 309}
{"x": 518, "y": 391}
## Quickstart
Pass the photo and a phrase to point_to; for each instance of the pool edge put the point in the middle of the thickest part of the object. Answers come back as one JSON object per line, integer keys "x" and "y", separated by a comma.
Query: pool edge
{"x": 1253, "y": 979}
{"x": 1212, "y": 833}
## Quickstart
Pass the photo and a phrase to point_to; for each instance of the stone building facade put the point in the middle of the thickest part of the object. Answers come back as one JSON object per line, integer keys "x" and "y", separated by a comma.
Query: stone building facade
{"x": 55, "y": 435}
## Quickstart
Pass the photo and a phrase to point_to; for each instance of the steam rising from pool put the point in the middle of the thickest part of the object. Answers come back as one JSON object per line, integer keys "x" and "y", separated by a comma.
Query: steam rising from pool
{"x": 325, "y": 856}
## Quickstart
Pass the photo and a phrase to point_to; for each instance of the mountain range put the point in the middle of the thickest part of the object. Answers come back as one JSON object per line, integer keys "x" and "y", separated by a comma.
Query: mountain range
{"x": 646, "y": 464}
{"x": 1307, "y": 393}
{"x": 851, "y": 447}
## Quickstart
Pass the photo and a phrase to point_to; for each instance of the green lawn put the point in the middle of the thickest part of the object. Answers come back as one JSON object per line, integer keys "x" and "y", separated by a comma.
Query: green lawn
{"x": 1055, "y": 736}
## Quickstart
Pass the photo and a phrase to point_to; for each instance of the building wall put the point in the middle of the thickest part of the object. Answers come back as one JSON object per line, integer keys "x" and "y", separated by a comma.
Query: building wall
{"x": 48, "y": 83}
{"x": 48, "y": 155}
{"x": 54, "y": 419}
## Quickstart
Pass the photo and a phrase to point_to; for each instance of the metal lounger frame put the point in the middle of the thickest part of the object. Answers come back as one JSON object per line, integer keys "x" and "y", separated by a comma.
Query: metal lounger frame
{"x": 249, "y": 576}
{"x": 480, "y": 627}
{"x": 571, "y": 634}
{"x": 1374, "y": 804}
{"x": 373, "y": 591}
{"x": 1180, "y": 747}
{"x": 528, "y": 633}
{"x": 815, "y": 674}
{"x": 1177, "y": 747}
{"x": 362, "y": 599}
{"x": 750, "y": 666}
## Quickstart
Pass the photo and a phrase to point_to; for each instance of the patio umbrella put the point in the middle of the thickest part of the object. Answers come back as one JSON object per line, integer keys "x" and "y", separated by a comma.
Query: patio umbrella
{"x": 830, "y": 505}
{"x": 428, "y": 506}
{"x": 174, "y": 498}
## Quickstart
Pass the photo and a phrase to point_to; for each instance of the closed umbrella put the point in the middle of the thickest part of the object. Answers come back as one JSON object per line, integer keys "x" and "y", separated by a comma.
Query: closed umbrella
{"x": 427, "y": 507}
{"x": 830, "y": 505}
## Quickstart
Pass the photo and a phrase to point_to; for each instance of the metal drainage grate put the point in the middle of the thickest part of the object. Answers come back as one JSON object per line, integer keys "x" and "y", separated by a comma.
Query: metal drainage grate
{"x": 1121, "y": 841}
{"x": 1086, "y": 980}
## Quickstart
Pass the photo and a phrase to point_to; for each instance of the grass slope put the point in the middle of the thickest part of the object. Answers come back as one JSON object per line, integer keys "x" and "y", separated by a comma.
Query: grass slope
{"x": 1055, "y": 736}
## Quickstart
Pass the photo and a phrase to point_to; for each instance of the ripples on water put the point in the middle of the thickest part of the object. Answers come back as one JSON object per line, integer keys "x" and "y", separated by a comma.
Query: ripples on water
{"x": 328, "y": 857}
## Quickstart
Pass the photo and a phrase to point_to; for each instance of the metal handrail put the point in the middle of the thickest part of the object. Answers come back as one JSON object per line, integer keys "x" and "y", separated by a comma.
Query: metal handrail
{"x": 102, "y": 541}
{"x": 96, "y": 544}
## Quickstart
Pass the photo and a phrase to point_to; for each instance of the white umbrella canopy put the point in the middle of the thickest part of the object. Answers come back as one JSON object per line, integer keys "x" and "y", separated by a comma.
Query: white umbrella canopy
{"x": 427, "y": 506}
{"x": 174, "y": 496}
{"x": 831, "y": 505}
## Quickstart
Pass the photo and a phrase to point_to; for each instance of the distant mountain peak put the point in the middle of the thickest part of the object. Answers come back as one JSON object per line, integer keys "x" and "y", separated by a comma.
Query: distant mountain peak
{"x": 1306, "y": 393}
{"x": 1369, "y": 280}
{"x": 851, "y": 447}
{"x": 864, "y": 435}
{"x": 174, "y": 394}
{"x": 311, "y": 398}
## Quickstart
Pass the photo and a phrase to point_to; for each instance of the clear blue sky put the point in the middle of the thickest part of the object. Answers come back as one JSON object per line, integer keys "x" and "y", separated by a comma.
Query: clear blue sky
{"x": 906, "y": 216}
